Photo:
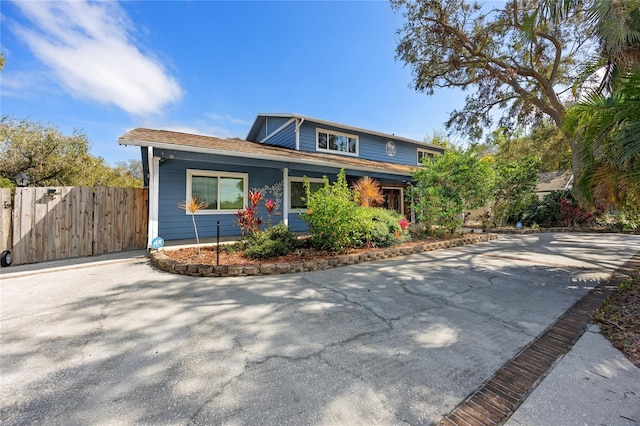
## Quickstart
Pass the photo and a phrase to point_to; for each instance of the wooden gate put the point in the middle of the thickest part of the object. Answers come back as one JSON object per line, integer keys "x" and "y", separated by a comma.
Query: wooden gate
{"x": 62, "y": 222}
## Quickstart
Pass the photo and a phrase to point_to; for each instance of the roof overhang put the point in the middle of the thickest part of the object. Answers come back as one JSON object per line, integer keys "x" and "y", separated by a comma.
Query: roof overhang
{"x": 261, "y": 156}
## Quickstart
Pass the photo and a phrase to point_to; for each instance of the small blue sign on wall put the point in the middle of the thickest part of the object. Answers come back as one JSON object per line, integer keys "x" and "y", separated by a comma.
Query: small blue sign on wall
{"x": 157, "y": 243}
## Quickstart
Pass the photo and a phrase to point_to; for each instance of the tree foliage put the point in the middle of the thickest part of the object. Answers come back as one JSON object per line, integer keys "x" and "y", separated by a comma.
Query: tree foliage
{"x": 515, "y": 184}
{"x": 515, "y": 62}
{"x": 446, "y": 185}
{"x": 51, "y": 158}
{"x": 545, "y": 142}
{"x": 607, "y": 120}
{"x": 609, "y": 130}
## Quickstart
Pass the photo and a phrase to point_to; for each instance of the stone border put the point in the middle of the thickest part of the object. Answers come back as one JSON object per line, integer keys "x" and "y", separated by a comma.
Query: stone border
{"x": 563, "y": 230}
{"x": 163, "y": 262}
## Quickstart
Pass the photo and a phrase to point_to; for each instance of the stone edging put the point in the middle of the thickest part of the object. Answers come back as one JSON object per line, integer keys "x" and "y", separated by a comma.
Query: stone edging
{"x": 163, "y": 262}
{"x": 561, "y": 229}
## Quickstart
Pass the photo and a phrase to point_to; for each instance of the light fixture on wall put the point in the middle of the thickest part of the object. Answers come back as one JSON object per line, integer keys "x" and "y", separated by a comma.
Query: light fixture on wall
{"x": 22, "y": 180}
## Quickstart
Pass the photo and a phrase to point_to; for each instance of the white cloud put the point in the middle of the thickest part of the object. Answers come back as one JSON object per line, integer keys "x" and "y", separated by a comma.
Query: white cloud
{"x": 90, "y": 49}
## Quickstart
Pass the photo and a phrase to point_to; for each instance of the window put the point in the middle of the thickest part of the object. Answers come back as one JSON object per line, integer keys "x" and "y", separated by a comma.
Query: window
{"x": 423, "y": 153}
{"x": 336, "y": 142}
{"x": 220, "y": 191}
{"x": 297, "y": 194}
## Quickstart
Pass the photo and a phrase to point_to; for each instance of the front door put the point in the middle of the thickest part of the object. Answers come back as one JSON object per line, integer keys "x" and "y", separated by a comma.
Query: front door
{"x": 393, "y": 199}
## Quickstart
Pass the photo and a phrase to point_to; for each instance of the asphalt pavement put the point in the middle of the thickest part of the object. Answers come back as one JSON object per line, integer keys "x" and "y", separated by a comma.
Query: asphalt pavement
{"x": 400, "y": 341}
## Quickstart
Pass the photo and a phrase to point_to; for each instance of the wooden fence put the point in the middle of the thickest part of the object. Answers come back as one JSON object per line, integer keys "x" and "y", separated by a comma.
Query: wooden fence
{"x": 63, "y": 222}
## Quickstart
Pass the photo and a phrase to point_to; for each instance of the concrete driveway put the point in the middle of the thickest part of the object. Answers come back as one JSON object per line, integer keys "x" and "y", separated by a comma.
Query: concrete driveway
{"x": 391, "y": 342}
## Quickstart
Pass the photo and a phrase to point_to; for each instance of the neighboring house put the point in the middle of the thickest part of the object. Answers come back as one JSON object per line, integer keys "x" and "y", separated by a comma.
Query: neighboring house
{"x": 558, "y": 180}
{"x": 279, "y": 151}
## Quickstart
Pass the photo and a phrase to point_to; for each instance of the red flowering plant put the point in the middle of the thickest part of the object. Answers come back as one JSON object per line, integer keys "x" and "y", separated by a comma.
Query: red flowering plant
{"x": 270, "y": 205}
{"x": 248, "y": 219}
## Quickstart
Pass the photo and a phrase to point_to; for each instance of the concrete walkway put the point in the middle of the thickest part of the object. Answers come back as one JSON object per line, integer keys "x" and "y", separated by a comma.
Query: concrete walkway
{"x": 401, "y": 341}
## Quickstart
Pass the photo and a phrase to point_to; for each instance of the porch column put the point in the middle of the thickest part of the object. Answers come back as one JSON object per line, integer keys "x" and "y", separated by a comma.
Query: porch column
{"x": 154, "y": 191}
{"x": 285, "y": 196}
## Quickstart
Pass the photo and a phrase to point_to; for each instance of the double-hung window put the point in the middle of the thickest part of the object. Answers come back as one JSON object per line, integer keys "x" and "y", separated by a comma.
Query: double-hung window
{"x": 297, "y": 193}
{"x": 423, "y": 153}
{"x": 222, "y": 192}
{"x": 336, "y": 142}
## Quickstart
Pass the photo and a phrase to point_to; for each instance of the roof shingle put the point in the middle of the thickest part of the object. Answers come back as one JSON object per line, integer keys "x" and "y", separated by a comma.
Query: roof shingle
{"x": 241, "y": 148}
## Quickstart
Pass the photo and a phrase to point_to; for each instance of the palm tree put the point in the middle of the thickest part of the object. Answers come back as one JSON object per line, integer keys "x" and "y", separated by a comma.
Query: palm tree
{"x": 608, "y": 130}
{"x": 606, "y": 124}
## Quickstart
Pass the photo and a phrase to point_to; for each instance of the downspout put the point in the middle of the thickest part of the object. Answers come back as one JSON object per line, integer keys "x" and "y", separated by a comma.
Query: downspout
{"x": 285, "y": 196}
{"x": 298, "y": 124}
{"x": 154, "y": 191}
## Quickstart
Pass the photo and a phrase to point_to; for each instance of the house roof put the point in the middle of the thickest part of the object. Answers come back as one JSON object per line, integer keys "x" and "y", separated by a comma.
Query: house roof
{"x": 554, "y": 181}
{"x": 241, "y": 148}
{"x": 261, "y": 117}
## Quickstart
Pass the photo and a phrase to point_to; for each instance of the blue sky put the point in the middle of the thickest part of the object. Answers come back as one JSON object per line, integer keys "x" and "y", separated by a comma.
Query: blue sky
{"x": 208, "y": 67}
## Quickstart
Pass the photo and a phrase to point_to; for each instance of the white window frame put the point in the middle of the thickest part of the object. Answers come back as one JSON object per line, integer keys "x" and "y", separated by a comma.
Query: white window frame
{"x": 331, "y": 151}
{"x": 300, "y": 179}
{"x": 210, "y": 173}
{"x": 426, "y": 151}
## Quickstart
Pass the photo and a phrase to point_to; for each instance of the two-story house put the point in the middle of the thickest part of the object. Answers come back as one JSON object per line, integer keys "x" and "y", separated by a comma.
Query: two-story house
{"x": 279, "y": 151}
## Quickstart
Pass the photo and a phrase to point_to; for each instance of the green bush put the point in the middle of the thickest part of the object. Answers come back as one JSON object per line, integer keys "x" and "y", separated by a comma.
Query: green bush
{"x": 381, "y": 227}
{"x": 332, "y": 216}
{"x": 276, "y": 241}
{"x": 336, "y": 222}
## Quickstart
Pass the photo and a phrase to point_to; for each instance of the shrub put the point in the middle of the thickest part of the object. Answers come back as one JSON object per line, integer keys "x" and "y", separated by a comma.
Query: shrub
{"x": 381, "y": 227}
{"x": 332, "y": 216}
{"x": 275, "y": 241}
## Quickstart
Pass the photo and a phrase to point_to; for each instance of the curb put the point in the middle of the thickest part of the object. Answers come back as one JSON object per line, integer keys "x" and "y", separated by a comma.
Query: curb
{"x": 161, "y": 261}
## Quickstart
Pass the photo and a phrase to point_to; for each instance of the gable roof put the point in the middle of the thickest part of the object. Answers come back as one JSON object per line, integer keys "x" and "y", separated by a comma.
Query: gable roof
{"x": 554, "y": 181}
{"x": 241, "y": 148}
{"x": 255, "y": 128}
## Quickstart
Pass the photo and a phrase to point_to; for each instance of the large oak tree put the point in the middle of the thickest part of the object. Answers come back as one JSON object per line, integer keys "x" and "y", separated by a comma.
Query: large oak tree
{"x": 512, "y": 60}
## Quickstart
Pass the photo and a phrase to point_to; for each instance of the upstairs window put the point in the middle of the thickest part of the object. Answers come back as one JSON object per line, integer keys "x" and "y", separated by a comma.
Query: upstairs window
{"x": 336, "y": 142}
{"x": 220, "y": 191}
{"x": 423, "y": 153}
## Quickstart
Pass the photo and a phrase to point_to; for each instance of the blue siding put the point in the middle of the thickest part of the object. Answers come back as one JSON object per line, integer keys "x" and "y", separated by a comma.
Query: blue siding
{"x": 269, "y": 125}
{"x": 285, "y": 138}
{"x": 370, "y": 147}
{"x": 174, "y": 223}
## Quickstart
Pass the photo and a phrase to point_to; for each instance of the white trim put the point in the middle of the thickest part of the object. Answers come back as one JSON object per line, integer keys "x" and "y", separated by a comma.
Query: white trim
{"x": 276, "y": 131}
{"x": 210, "y": 173}
{"x": 299, "y": 179}
{"x": 298, "y": 125}
{"x": 401, "y": 196}
{"x": 225, "y": 153}
{"x": 154, "y": 192}
{"x": 426, "y": 151}
{"x": 333, "y": 132}
{"x": 285, "y": 196}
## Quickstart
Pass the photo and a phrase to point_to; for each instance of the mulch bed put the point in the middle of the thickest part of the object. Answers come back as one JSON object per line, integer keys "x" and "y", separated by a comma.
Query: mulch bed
{"x": 619, "y": 318}
{"x": 186, "y": 261}
{"x": 208, "y": 254}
